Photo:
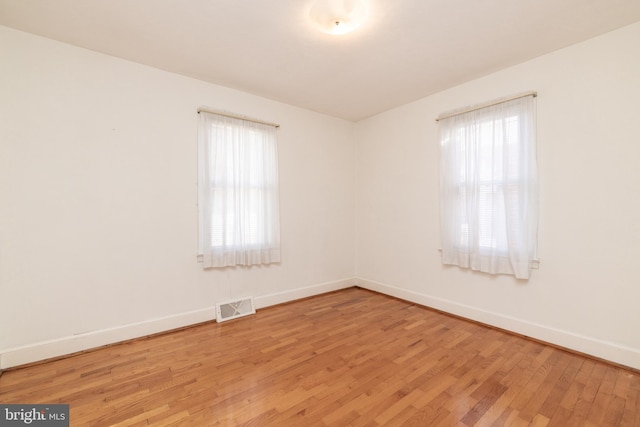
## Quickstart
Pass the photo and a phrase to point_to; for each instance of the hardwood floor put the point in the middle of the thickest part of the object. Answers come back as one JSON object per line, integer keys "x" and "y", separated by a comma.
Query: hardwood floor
{"x": 351, "y": 357}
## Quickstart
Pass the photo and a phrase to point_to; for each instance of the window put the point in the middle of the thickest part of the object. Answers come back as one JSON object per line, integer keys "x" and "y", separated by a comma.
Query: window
{"x": 237, "y": 191}
{"x": 489, "y": 207}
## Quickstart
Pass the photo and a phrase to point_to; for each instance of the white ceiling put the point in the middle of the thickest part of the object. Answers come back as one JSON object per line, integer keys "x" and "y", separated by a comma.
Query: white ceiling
{"x": 407, "y": 49}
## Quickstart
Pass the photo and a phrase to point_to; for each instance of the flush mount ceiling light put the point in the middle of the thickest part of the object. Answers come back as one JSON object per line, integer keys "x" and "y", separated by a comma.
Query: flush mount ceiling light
{"x": 338, "y": 16}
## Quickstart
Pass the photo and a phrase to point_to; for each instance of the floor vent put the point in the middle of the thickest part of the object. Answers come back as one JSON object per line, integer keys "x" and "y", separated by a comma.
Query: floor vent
{"x": 234, "y": 309}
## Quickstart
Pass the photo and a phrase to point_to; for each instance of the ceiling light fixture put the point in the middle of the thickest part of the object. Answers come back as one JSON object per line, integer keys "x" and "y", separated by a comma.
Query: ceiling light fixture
{"x": 338, "y": 16}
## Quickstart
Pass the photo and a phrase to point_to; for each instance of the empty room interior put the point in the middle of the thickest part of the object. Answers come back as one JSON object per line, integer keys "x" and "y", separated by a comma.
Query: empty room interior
{"x": 357, "y": 282}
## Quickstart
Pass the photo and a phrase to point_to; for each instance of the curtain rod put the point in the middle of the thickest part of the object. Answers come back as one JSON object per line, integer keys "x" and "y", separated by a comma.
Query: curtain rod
{"x": 235, "y": 116}
{"x": 485, "y": 104}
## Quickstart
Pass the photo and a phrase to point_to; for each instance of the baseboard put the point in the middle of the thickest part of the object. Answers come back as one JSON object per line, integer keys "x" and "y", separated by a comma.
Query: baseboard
{"x": 309, "y": 291}
{"x": 71, "y": 344}
{"x": 613, "y": 352}
{"x": 66, "y": 345}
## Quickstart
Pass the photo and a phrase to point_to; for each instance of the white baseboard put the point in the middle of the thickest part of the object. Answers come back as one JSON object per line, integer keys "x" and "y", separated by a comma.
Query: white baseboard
{"x": 71, "y": 344}
{"x": 294, "y": 294}
{"x": 610, "y": 351}
{"x": 66, "y": 345}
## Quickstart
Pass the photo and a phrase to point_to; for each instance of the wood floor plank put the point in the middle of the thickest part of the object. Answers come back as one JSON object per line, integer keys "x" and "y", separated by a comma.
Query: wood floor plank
{"x": 347, "y": 358}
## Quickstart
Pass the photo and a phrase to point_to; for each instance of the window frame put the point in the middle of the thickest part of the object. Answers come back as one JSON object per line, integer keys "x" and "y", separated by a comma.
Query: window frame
{"x": 238, "y": 194}
{"x": 504, "y": 244}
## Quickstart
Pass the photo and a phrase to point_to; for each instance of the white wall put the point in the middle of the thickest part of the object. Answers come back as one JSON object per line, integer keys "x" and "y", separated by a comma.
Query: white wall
{"x": 98, "y": 216}
{"x": 586, "y": 293}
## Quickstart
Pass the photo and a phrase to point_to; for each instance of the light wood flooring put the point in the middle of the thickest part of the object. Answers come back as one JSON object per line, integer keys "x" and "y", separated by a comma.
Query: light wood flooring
{"x": 348, "y": 358}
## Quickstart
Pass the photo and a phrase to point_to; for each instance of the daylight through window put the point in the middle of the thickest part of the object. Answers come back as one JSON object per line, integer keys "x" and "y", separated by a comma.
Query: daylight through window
{"x": 489, "y": 200}
{"x": 238, "y": 191}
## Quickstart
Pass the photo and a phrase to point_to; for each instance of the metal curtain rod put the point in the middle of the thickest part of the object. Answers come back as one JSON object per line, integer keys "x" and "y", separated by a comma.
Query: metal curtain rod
{"x": 235, "y": 116}
{"x": 485, "y": 104}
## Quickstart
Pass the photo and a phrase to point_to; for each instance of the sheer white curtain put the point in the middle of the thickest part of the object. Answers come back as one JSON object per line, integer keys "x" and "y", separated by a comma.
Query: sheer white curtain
{"x": 489, "y": 190}
{"x": 238, "y": 200}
